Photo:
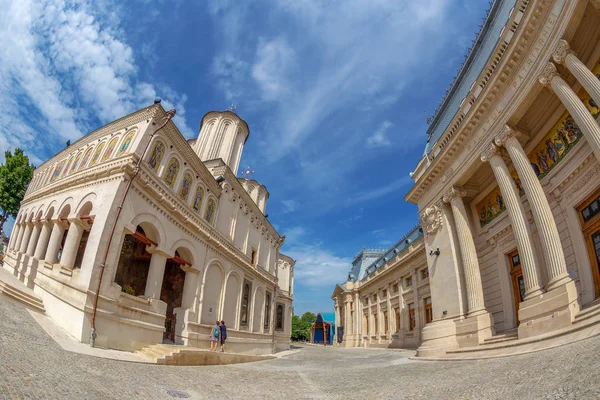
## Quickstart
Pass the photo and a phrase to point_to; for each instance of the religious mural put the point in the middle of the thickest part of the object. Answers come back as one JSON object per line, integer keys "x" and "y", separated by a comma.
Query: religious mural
{"x": 76, "y": 163}
{"x": 198, "y": 199}
{"x": 185, "y": 186}
{"x": 97, "y": 153}
{"x": 110, "y": 149}
{"x": 58, "y": 170}
{"x": 171, "y": 172}
{"x": 66, "y": 171}
{"x": 126, "y": 142}
{"x": 553, "y": 147}
{"x": 210, "y": 211}
{"x": 156, "y": 156}
{"x": 86, "y": 157}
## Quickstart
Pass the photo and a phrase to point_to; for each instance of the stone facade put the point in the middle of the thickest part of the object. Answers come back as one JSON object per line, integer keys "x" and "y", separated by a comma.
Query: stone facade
{"x": 507, "y": 188}
{"x": 388, "y": 304}
{"x": 177, "y": 238}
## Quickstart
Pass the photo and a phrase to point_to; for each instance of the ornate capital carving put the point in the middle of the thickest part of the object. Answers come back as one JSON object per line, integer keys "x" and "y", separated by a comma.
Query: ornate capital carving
{"x": 454, "y": 191}
{"x": 561, "y": 52}
{"x": 502, "y": 137}
{"x": 547, "y": 74}
{"x": 431, "y": 219}
{"x": 491, "y": 151}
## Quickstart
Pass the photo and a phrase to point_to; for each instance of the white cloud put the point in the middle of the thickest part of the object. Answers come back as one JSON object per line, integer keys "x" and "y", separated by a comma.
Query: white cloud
{"x": 275, "y": 60}
{"x": 379, "y": 137}
{"x": 318, "y": 267}
{"x": 289, "y": 206}
{"x": 373, "y": 194}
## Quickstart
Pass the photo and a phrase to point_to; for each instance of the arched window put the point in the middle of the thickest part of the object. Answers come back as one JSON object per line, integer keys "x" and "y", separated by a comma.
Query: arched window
{"x": 279, "y": 323}
{"x": 198, "y": 199}
{"x": 126, "y": 142}
{"x": 76, "y": 163}
{"x": 156, "y": 156}
{"x": 209, "y": 216}
{"x": 97, "y": 153}
{"x": 66, "y": 171}
{"x": 245, "y": 304}
{"x": 185, "y": 186}
{"x": 267, "y": 310}
{"x": 58, "y": 170}
{"x": 171, "y": 172}
{"x": 86, "y": 158}
{"x": 110, "y": 149}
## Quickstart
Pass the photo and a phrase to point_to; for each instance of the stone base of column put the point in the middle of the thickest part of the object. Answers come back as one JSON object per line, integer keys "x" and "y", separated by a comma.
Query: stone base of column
{"x": 437, "y": 338}
{"x": 31, "y": 272}
{"x": 22, "y": 267}
{"x": 474, "y": 329}
{"x": 552, "y": 310}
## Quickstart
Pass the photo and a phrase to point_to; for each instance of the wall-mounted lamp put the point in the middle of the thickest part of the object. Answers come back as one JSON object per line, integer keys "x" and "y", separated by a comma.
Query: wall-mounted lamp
{"x": 445, "y": 312}
{"x": 434, "y": 253}
{"x": 219, "y": 179}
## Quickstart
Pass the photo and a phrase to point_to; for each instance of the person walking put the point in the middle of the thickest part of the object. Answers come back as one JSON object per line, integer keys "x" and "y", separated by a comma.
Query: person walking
{"x": 214, "y": 337}
{"x": 223, "y": 335}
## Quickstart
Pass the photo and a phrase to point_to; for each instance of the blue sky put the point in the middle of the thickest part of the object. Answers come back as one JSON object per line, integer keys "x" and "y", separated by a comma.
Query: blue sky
{"x": 335, "y": 92}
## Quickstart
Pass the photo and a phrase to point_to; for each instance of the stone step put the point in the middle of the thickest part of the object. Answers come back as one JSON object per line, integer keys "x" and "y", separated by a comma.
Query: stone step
{"x": 590, "y": 311}
{"x": 505, "y": 336}
{"x": 29, "y": 301}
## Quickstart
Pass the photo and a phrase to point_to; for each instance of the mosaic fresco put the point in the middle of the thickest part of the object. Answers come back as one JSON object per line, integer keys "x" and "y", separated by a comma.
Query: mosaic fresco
{"x": 553, "y": 147}
{"x": 126, "y": 142}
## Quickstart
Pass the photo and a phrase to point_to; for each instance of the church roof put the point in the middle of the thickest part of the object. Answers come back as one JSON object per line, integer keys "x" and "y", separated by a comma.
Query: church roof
{"x": 245, "y": 124}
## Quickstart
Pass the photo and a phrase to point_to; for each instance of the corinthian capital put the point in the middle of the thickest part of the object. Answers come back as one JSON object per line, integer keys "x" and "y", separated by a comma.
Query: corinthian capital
{"x": 547, "y": 74}
{"x": 562, "y": 50}
{"x": 502, "y": 137}
{"x": 454, "y": 191}
{"x": 490, "y": 152}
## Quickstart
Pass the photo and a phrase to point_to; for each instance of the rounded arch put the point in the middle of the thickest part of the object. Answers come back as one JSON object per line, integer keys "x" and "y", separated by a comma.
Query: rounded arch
{"x": 152, "y": 227}
{"x": 159, "y": 146}
{"x": 186, "y": 185}
{"x": 186, "y": 250}
{"x": 258, "y": 307}
{"x": 126, "y": 140}
{"x": 211, "y": 294}
{"x": 97, "y": 153}
{"x": 77, "y": 162}
{"x": 68, "y": 167}
{"x": 172, "y": 170}
{"x": 231, "y": 298}
{"x": 198, "y": 198}
{"x": 86, "y": 158}
{"x": 111, "y": 147}
{"x": 211, "y": 209}
{"x": 65, "y": 208}
{"x": 50, "y": 209}
{"x": 88, "y": 201}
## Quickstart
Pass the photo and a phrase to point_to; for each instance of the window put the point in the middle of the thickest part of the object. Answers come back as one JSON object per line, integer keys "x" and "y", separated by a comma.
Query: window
{"x": 397, "y": 312}
{"x": 395, "y": 288}
{"x": 384, "y": 293}
{"x": 81, "y": 248}
{"x": 245, "y": 303}
{"x": 375, "y": 296}
{"x": 253, "y": 256}
{"x": 425, "y": 273}
{"x": 385, "y": 322}
{"x": 268, "y": 310}
{"x": 279, "y": 323}
{"x": 367, "y": 325}
{"x": 376, "y": 326}
{"x": 428, "y": 310}
{"x": 409, "y": 281}
{"x": 411, "y": 316}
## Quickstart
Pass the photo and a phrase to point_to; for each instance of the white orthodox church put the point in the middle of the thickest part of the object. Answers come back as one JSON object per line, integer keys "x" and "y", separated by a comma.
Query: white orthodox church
{"x": 134, "y": 235}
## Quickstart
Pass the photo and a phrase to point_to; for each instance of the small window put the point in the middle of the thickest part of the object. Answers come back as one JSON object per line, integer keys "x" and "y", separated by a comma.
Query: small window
{"x": 397, "y": 312}
{"x": 253, "y": 256}
{"x": 428, "y": 310}
{"x": 268, "y": 310}
{"x": 395, "y": 288}
{"x": 245, "y": 304}
{"x": 279, "y": 323}
{"x": 385, "y": 321}
{"x": 384, "y": 293}
{"x": 376, "y": 325}
{"x": 409, "y": 281}
{"x": 425, "y": 273}
{"x": 375, "y": 296}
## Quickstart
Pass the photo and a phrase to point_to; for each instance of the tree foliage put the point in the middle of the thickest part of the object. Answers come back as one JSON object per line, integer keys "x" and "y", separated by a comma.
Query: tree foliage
{"x": 301, "y": 326}
{"x": 15, "y": 175}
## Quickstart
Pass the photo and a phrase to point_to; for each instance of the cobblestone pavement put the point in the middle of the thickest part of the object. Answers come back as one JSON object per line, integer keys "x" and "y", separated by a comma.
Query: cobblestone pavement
{"x": 33, "y": 366}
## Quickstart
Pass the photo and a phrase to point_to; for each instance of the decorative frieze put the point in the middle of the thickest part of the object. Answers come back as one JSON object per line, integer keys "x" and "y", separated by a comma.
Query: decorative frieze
{"x": 431, "y": 219}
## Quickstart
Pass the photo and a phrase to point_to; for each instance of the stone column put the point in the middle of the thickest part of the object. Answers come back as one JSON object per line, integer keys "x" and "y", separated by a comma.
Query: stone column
{"x": 69, "y": 254}
{"x": 42, "y": 245}
{"x": 156, "y": 274}
{"x": 56, "y": 236}
{"x": 26, "y": 237}
{"x": 346, "y": 318}
{"x": 189, "y": 287}
{"x": 358, "y": 312}
{"x": 587, "y": 79}
{"x": 540, "y": 208}
{"x": 379, "y": 316}
{"x": 14, "y": 237}
{"x": 35, "y": 234}
{"x": 582, "y": 116}
{"x": 417, "y": 302}
{"x": 467, "y": 250}
{"x": 390, "y": 312}
{"x": 17, "y": 243}
{"x": 520, "y": 226}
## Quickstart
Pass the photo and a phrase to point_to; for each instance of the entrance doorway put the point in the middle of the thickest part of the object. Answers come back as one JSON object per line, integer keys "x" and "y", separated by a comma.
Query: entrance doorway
{"x": 516, "y": 275}
{"x": 589, "y": 214}
{"x": 172, "y": 293}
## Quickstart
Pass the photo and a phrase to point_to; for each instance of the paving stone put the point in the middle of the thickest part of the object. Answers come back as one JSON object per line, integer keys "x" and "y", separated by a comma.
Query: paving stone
{"x": 33, "y": 366}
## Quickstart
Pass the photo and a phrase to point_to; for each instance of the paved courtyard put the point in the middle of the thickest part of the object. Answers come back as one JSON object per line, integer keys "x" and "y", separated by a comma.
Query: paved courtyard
{"x": 33, "y": 366}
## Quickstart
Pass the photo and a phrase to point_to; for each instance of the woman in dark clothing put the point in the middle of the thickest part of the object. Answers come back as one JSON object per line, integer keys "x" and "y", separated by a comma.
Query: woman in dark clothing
{"x": 223, "y": 335}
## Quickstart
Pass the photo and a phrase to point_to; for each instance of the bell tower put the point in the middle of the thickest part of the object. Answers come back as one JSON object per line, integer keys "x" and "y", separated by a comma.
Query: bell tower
{"x": 222, "y": 135}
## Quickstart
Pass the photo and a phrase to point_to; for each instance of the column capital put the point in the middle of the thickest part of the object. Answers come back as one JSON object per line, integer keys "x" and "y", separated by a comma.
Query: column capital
{"x": 562, "y": 51}
{"x": 490, "y": 152}
{"x": 502, "y": 137}
{"x": 454, "y": 191}
{"x": 549, "y": 72}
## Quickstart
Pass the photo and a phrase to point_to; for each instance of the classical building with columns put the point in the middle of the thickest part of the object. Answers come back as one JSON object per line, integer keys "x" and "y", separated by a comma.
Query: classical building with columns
{"x": 133, "y": 235}
{"x": 386, "y": 300}
{"x": 508, "y": 188}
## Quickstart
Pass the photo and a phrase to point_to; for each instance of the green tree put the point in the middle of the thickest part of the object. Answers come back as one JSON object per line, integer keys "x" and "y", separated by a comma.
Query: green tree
{"x": 15, "y": 175}
{"x": 309, "y": 317}
{"x": 301, "y": 326}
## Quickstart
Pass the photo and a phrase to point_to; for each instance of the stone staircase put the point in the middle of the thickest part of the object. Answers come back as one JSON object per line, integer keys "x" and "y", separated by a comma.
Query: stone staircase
{"x": 501, "y": 337}
{"x": 16, "y": 290}
{"x": 166, "y": 354}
